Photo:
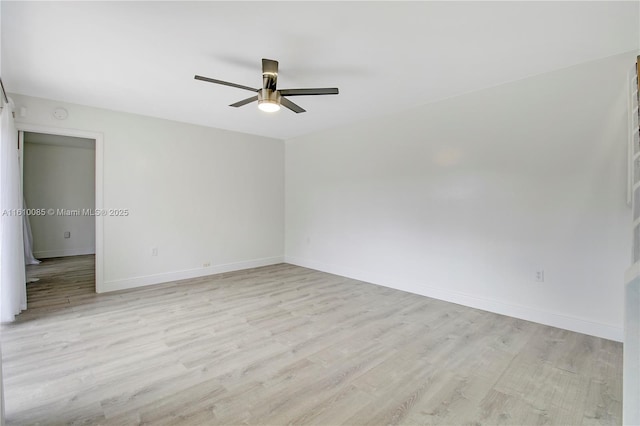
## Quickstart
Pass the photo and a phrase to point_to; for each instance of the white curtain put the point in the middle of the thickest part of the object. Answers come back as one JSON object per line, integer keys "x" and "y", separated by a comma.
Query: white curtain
{"x": 29, "y": 258}
{"x": 13, "y": 293}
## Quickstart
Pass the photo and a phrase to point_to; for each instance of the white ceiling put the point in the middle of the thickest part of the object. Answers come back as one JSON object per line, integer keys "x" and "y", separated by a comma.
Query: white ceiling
{"x": 141, "y": 57}
{"x": 58, "y": 140}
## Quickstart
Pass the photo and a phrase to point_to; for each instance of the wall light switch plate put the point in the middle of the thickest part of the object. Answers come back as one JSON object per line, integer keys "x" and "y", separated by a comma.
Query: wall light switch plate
{"x": 67, "y": 234}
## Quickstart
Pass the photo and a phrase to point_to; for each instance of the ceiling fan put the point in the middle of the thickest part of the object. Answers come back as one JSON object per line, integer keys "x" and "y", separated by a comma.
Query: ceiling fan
{"x": 269, "y": 97}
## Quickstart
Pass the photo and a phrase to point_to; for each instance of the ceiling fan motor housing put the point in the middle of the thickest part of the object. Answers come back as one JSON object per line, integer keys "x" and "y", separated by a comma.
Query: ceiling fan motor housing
{"x": 269, "y": 96}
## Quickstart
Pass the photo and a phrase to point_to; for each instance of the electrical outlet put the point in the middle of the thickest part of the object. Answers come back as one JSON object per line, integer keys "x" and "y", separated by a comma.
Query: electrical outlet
{"x": 154, "y": 251}
{"x": 540, "y": 276}
{"x": 67, "y": 234}
{"x": 206, "y": 264}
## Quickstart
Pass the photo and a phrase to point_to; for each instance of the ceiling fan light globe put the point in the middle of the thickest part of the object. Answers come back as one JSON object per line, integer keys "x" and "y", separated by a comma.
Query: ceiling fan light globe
{"x": 268, "y": 106}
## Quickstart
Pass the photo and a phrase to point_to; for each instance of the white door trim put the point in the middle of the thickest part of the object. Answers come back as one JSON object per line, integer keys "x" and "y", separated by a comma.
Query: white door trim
{"x": 99, "y": 138}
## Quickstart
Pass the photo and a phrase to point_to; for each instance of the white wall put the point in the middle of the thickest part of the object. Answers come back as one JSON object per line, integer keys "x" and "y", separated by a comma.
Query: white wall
{"x": 198, "y": 194}
{"x": 631, "y": 363}
{"x": 59, "y": 174}
{"x": 466, "y": 198}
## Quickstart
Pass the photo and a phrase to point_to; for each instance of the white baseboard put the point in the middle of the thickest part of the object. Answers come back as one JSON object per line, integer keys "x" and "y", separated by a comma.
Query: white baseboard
{"x": 128, "y": 283}
{"x": 553, "y": 319}
{"x": 45, "y": 254}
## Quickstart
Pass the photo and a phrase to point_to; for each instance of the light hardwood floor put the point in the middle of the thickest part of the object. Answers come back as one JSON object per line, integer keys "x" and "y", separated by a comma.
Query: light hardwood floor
{"x": 289, "y": 345}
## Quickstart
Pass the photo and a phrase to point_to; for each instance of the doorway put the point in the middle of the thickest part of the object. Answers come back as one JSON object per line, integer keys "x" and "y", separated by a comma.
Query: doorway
{"x": 69, "y": 225}
{"x": 58, "y": 182}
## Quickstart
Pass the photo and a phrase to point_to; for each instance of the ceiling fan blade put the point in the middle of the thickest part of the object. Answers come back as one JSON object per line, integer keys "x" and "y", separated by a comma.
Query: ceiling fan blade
{"x": 269, "y": 66}
{"x": 293, "y": 107}
{"x": 245, "y": 101}
{"x": 308, "y": 92}
{"x": 224, "y": 83}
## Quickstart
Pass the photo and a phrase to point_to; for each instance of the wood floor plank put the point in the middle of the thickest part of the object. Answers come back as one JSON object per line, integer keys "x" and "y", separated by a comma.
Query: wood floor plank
{"x": 288, "y": 345}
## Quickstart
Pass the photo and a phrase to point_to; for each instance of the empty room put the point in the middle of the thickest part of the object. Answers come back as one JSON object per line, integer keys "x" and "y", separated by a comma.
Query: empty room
{"x": 328, "y": 213}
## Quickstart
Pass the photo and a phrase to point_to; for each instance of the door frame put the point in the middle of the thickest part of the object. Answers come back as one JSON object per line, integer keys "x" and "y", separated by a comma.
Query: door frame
{"x": 99, "y": 170}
